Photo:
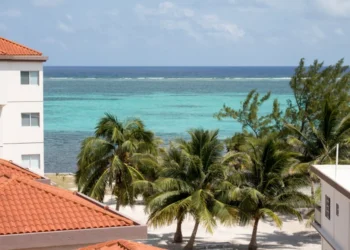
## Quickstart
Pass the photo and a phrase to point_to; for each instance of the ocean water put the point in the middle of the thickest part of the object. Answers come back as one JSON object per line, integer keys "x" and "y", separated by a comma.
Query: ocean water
{"x": 170, "y": 100}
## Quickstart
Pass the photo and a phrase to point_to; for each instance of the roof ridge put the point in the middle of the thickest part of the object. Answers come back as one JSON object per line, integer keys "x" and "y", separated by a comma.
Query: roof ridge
{"x": 17, "y": 167}
{"x": 120, "y": 243}
{"x": 50, "y": 189}
{"x": 20, "y": 45}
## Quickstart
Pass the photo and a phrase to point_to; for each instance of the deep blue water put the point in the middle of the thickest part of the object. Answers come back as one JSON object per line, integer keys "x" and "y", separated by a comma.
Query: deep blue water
{"x": 170, "y": 100}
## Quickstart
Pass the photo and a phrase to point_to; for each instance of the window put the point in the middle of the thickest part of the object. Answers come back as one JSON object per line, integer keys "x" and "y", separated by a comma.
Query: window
{"x": 31, "y": 161}
{"x": 30, "y": 77}
{"x": 337, "y": 209}
{"x": 328, "y": 207}
{"x": 30, "y": 120}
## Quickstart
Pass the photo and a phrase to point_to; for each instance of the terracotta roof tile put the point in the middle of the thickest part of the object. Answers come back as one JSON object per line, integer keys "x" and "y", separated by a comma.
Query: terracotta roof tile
{"x": 29, "y": 206}
{"x": 11, "y": 169}
{"x": 11, "y": 48}
{"x": 120, "y": 245}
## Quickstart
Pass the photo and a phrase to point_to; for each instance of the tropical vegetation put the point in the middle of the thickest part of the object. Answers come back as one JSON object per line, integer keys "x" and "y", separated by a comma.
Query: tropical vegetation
{"x": 110, "y": 158}
{"x": 259, "y": 173}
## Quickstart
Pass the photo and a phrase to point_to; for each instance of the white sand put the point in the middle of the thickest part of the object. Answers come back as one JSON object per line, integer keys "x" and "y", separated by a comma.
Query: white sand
{"x": 294, "y": 235}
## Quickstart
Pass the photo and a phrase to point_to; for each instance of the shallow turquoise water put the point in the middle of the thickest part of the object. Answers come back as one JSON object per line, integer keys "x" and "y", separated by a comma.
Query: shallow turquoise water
{"x": 169, "y": 107}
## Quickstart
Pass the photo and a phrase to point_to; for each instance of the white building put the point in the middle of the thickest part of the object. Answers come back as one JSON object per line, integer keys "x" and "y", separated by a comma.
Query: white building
{"x": 21, "y": 105}
{"x": 332, "y": 218}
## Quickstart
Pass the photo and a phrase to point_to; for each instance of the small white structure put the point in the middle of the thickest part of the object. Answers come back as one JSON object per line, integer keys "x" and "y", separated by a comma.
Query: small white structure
{"x": 332, "y": 218}
{"x": 21, "y": 105}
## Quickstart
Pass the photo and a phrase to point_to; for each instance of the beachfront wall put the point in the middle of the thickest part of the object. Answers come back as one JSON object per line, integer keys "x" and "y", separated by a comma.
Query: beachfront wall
{"x": 21, "y": 144}
{"x": 70, "y": 239}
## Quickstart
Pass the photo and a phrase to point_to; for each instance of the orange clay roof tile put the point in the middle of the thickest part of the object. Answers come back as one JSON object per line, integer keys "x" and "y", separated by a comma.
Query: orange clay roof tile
{"x": 11, "y": 169}
{"x": 11, "y": 48}
{"x": 120, "y": 245}
{"x": 29, "y": 206}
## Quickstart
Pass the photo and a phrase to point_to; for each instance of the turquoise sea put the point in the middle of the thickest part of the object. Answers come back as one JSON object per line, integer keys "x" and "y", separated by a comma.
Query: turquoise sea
{"x": 170, "y": 100}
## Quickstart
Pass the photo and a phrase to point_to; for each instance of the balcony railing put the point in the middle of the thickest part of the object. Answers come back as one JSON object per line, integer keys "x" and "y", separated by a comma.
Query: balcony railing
{"x": 318, "y": 215}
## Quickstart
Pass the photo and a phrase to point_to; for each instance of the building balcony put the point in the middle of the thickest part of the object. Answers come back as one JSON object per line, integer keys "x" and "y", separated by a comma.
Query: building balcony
{"x": 318, "y": 215}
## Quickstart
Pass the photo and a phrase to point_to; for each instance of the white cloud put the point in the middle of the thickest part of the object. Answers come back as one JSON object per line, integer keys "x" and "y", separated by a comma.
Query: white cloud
{"x": 217, "y": 27}
{"x": 65, "y": 27}
{"x": 181, "y": 25}
{"x": 338, "y": 8}
{"x": 54, "y": 42}
{"x": 164, "y": 8}
{"x": 47, "y": 3}
{"x": 11, "y": 13}
{"x": 173, "y": 17}
{"x": 339, "y": 31}
{"x": 69, "y": 17}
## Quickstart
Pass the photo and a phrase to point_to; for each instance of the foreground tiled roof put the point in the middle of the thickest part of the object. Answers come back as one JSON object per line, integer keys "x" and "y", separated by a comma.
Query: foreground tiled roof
{"x": 11, "y": 48}
{"x": 10, "y": 169}
{"x": 120, "y": 245}
{"x": 29, "y": 206}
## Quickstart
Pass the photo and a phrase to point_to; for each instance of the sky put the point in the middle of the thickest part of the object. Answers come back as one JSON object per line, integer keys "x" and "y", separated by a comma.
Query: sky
{"x": 180, "y": 32}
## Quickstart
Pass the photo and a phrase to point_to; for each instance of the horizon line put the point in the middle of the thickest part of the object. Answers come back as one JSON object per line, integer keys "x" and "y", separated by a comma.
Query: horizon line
{"x": 184, "y": 66}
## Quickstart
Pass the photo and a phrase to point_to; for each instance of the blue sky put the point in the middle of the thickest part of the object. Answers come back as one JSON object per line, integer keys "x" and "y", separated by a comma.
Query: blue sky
{"x": 180, "y": 32}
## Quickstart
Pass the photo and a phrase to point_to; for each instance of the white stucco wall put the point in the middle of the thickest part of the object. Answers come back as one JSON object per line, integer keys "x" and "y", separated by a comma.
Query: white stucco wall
{"x": 325, "y": 245}
{"x": 341, "y": 229}
{"x": 337, "y": 227}
{"x": 15, "y": 139}
{"x": 12, "y": 123}
{"x": 1, "y": 130}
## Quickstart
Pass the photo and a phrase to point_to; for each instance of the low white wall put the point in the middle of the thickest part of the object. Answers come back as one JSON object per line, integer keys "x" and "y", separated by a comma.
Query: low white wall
{"x": 70, "y": 239}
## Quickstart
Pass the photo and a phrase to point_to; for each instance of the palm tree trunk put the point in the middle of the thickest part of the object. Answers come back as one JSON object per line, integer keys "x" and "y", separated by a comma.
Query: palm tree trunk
{"x": 117, "y": 205}
{"x": 253, "y": 245}
{"x": 190, "y": 243}
{"x": 178, "y": 233}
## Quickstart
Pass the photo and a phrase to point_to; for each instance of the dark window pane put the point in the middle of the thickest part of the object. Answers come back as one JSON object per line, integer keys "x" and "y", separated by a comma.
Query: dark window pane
{"x": 24, "y": 77}
{"x": 25, "y": 119}
{"x": 34, "y": 78}
{"x": 328, "y": 207}
{"x": 35, "y": 119}
{"x": 337, "y": 209}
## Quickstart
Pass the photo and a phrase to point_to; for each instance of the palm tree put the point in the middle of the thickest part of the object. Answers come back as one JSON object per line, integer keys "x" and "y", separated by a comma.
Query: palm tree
{"x": 110, "y": 158}
{"x": 189, "y": 184}
{"x": 266, "y": 188}
{"x": 319, "y": 141}
{"x": 148, "y": 188}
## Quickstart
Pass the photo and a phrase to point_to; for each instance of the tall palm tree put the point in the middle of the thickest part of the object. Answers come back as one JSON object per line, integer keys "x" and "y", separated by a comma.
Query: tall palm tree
{"x": 189, "y": 184}
{"x": 266, "y": 188}
{"x": 108, "y": 159}
{"x": 319, "y": 141}
{"x": 172, "y": 158}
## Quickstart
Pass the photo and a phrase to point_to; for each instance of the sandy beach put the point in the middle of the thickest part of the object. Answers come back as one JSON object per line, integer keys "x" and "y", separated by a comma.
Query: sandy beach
{"x": 293, "y": 235}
